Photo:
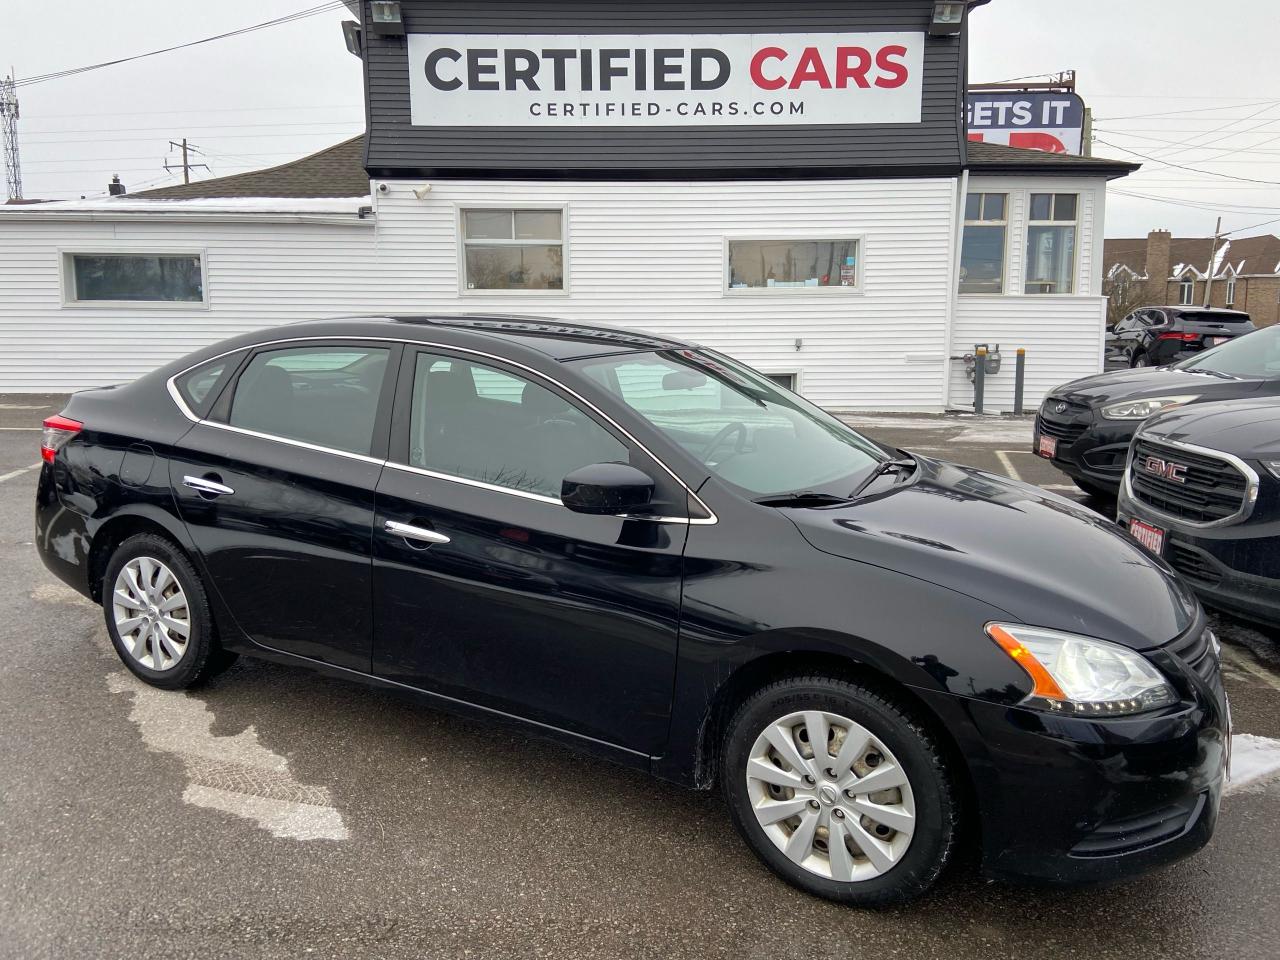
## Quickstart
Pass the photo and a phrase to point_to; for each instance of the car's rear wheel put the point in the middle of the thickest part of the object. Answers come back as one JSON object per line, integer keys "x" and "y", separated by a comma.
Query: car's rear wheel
{"x": 839, "y": 790}
{"x": 1141, "y": 360}
{"x": 158, "y": 614}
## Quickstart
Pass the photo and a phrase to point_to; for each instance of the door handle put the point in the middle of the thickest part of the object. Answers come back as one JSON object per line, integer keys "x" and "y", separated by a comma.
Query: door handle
{"x": 410, "y": 532}
{"x": 202, "y": 485}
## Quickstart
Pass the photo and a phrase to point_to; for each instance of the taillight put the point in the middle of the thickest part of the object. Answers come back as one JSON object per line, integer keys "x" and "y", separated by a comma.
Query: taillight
{"x": 1184, "y": 337}
{"x": 57, "y": 431}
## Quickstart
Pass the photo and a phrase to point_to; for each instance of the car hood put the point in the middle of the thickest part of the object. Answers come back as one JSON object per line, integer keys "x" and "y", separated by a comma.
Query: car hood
{"x": 1149, "y": 382}
{"x": 1041, "y": 558}
{"x": 1245, "y": 428}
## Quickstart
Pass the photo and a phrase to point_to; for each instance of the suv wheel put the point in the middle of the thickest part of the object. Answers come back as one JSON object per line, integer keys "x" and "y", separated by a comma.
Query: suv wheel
{"x": 1141, "y": 360}
{"x": 839, "y": 791}
{"x": 158, "y": 614}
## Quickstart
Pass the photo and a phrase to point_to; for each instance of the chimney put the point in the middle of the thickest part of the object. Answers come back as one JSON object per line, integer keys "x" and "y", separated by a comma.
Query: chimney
{"x": 115, "y": 187}
{"x": 1158, "y": 265}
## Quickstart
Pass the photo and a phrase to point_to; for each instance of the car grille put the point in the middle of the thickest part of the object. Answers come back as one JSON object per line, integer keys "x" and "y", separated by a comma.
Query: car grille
{"x": 1193, "y": 564}
{"x": 1211, "y": 489}
{"x": 1061, "y": 430}
{"x": 1197, "y": 651}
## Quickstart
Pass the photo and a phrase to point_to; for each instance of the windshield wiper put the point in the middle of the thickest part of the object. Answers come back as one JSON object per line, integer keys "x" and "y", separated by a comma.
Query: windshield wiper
{"x": 800, "y": 498}
{"x": 1213, "y": 373}
{"x": 880, "y": 470}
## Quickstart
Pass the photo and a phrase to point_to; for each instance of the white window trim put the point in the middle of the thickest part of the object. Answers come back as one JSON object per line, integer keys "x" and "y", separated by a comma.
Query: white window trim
{"x": 460, "y": 208}
{"x": 1029, "y": 222}
{"x": 1187, "y": 289}
{"x": 1231, "y": 292}
{"x": 1007, "y": 223}
{"x": 67, "y": 278}
{"x": 835, "y": 290}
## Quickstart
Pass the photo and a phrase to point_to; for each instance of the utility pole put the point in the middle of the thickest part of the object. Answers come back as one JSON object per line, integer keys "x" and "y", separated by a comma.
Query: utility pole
{"x": 9, "y": 125}
{"x": 186, "y": 165}
{"x": 1213, "y": 255}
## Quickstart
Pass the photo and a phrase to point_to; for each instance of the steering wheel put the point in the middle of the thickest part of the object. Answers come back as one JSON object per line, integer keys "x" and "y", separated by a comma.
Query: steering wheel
{"x": 728, "y": 430}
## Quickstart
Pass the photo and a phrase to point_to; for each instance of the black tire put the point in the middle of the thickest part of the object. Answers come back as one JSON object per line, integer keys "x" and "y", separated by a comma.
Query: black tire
{"x": 1141, "y": 360}
{"x": 906, "y": 738}
{"x": 1102, "y": 493}
{"x": 203, "y": 657}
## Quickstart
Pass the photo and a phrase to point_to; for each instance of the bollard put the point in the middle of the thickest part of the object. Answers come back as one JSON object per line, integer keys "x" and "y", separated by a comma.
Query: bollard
{"x": 1019, "y": 373}
{"x": 979, "y": 377}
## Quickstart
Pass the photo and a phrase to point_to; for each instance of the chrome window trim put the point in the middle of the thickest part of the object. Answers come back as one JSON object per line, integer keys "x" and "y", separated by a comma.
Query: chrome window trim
{"x": 708, "y": 520}
{"x": 1251, "y": 481}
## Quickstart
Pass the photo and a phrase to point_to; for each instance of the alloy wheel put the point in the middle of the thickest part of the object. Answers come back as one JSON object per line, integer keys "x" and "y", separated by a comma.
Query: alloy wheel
{"x": 831, "y": 796}
{"x": 151, "y": 613}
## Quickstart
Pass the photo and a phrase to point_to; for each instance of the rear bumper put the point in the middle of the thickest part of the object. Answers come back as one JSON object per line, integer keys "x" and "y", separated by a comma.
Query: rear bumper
{"x": 1064, "y": 800}
{"x": 62, "y": 534}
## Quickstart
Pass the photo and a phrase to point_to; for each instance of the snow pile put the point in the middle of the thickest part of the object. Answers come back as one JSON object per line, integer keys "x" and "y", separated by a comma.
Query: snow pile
{"x": 1254, "y": 760}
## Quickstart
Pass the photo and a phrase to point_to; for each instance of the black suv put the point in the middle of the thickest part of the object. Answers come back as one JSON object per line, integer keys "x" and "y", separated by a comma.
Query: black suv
{"x": 1085, "y": 426}
{"x": 1154, "y": 336}
{"x": 1202, "y": 490}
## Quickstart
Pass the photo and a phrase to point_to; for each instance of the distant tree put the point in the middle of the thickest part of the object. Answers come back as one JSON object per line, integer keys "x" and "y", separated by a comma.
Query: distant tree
{"x": 1124, "y": 295}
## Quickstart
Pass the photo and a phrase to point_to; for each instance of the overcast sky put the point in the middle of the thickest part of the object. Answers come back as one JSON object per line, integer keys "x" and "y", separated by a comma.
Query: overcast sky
{"x": 1211, "y": 74}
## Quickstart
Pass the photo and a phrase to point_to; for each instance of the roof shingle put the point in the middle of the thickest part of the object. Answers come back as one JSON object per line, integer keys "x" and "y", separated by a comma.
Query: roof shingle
{"x": 336, "y": 171}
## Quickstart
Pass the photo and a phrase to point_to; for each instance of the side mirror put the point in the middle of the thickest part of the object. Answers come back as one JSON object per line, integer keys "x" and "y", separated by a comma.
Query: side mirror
{"x": 606, "y": 488}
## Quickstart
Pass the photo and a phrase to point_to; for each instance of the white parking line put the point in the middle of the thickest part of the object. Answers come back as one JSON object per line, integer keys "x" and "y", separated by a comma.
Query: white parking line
{"x": 19, "y": 472}
{"x": 22, "y": 429}
{"x": 1010, "y": 469}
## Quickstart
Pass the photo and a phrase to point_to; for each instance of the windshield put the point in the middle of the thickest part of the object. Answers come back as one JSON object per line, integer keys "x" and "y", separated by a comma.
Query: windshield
{"x": 1255, "y": 356}
{"x": 746, "y": 429}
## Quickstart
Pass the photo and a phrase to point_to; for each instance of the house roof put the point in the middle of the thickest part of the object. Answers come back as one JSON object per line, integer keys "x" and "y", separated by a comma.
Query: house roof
{"x": 998, "y": 158}
{"x": 336, "y": 171}
{"x": 1247, "y": 255}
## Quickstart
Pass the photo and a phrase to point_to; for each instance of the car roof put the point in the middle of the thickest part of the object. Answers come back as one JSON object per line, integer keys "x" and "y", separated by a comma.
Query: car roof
{"x": 1188, "y": 308}
{"x": 558, "y": 339}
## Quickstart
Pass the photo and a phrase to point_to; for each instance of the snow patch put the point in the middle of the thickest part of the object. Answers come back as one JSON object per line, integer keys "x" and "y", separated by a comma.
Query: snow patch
{"x": 235, "y": 775}
{"x": 1254, "y": 761}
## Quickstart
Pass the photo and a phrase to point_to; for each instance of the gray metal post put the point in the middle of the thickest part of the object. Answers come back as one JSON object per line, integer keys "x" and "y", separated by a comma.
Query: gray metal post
{"x": 979, "y": 377}
{"x": 1019, "y": 375}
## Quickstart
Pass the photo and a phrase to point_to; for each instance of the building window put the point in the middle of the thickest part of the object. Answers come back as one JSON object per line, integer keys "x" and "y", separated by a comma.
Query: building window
{"x": 1186, "y": 292}
{"x": 134, "y": 278}
{"x": 792, "y": 265}
{"x": 1051, "y": 243}
{"x": 785, "y": 380}
{"x": 513, "y": 249}
{"x": 1231, "y": 292}
{"x": 982, "y": 250}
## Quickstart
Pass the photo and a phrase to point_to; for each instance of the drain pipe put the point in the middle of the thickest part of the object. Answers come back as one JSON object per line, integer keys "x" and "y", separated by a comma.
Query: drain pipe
{"x": 953, "y": 290}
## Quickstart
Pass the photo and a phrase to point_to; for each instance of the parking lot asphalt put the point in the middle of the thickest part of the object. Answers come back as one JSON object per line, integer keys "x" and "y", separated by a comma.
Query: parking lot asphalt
{"x": 275, "y": 813}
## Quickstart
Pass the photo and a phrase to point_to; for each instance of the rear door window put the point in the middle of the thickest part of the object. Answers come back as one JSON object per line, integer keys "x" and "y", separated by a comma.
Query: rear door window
{"x": 322, "y": 395}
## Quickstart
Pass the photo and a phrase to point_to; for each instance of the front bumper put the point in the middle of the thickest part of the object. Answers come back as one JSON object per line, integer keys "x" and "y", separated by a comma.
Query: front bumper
{"x": 1090, "y": 449}
{"x": 1067, "y": 800}
{"x": 1235, "y": 568}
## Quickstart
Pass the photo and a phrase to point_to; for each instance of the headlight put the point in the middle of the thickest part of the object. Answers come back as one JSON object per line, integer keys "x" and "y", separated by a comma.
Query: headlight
{"x": 1082, "y": 676}
{"x": 1141, "y": 409}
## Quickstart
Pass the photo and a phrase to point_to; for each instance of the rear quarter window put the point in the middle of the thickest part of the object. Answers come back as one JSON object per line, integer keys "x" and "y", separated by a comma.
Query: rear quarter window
{"x": 199, "y": 386}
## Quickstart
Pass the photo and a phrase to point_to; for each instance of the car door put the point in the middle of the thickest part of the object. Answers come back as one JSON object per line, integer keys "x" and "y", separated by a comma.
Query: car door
{"x": 489, "y": 590}
{"x": 277, "y": 488}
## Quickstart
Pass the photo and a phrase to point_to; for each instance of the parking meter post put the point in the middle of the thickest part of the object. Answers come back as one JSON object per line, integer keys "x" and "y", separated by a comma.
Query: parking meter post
{"x": 979, "y": 378}
{"x": 1019, "y": 375}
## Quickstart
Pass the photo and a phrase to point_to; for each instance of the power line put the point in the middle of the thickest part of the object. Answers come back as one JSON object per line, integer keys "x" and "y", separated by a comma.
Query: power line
{"x": 1207, "y": 173}
{"x": 288, "y": 18}
{"x": 1175, "y": 113}
{"x": 1238, "y": 209}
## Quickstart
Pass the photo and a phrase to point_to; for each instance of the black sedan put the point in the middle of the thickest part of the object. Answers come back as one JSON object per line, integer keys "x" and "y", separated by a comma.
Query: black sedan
{"x": 1202, "y": 490}
{"x": 646, "y": 550}
{"x": 1084, "y": 427}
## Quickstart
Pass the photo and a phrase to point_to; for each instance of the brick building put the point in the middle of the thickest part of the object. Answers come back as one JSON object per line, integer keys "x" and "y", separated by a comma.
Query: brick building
{"x": 1162, "y": 269}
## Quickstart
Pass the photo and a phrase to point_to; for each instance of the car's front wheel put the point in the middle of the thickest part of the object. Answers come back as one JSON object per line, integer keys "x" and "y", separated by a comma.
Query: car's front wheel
{"x": 840, "y": 790}
{"x": 1141, "y": 360}
{"x": 158, "y": 614}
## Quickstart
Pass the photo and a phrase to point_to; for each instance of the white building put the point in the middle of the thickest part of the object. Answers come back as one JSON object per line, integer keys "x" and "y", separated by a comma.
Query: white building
{"x": 829, "y": 252}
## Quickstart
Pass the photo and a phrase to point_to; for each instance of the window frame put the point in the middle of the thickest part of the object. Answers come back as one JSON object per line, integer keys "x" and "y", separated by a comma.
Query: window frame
{"x": 837, "y": 290}
{"x": 1186, "y": 293}
{"x": 460, "y": 210}
{"x": 1006, "y": 223}
{"x": 1030, "y": 223}
{"x": 220, "y": 413}
{"x": 1230, "y": 300}
{"x": 67, "y": 278}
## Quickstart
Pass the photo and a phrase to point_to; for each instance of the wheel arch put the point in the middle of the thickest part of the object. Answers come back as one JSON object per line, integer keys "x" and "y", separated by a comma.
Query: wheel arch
{"x": 119, "y": 528}
{"x": 772, "y": 666}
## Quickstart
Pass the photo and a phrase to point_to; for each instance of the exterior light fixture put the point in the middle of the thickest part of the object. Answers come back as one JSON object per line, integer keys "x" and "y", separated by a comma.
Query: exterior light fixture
{"x": 354, "y": 40}
{"x": 948, "y": 18}
{"x": 384, "y": 18}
